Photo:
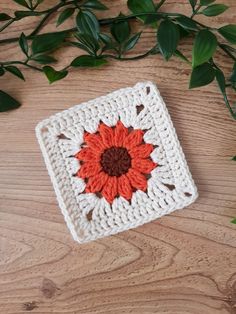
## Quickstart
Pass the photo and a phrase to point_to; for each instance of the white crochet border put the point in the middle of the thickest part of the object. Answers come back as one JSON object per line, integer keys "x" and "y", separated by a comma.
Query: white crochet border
{"x": 143, "y": 207}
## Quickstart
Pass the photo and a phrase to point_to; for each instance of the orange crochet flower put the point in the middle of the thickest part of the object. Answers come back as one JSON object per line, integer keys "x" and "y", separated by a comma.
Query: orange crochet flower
{"x": 115, "y": 161}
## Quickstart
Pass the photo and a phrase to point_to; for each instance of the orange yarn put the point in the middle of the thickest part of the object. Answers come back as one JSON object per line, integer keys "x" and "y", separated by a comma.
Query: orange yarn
{"x": 115, "y": 161}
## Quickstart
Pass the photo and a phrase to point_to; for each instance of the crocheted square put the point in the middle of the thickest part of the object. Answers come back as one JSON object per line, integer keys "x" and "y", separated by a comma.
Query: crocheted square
{"x": 115, "y": 162}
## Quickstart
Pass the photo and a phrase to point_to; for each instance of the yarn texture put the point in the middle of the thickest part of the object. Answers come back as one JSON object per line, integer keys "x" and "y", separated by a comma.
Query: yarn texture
{"x": 115, "y": 162}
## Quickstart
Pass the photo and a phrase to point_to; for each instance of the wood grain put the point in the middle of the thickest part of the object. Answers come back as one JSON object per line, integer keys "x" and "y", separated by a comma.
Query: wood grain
{"x": 184, "y": 263}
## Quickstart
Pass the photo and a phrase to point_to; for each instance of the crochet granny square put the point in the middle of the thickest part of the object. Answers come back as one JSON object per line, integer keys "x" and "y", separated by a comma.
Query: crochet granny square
{"x": 115, "y": 162}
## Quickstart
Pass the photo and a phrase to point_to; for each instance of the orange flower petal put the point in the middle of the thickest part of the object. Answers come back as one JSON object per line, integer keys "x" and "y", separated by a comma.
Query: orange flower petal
{"x": 143, "y": 165}
{"x": 137, "y": 180}
{"x": 107, "y": 134}
{"x": 133, "y": 139}
{"x": 141, "y": 151}
{"x": 120, "y": 133}
{"x": 110, "y": 189}
{"x": 94, "y": 141}
{"x": 124, "y": 187}
{"x": 96, "y": 183}
{"x": 89, "y": 169}
{"x": 87, "y": 154}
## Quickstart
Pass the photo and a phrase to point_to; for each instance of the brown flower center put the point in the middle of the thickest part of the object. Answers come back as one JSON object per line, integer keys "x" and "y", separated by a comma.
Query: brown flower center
{"x": 115, "y": 161}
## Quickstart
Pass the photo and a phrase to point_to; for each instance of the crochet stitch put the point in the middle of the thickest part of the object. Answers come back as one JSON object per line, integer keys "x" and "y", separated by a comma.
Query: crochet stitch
{"x": 115, "y": 162}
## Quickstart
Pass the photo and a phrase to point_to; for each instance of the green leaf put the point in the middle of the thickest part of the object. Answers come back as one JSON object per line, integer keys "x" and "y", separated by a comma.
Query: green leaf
{"x": 24, "y": 44}
{"x": 183, "y": 32}
{"x": 168, "y": 38}
{"x": 43, "y": 59}
{"x": 187, "y": 23}
{"x": 7, "y": 102}
{"x": 233, "y": 75}
{"x": 214, "y": 9}
{"x": 94, "y": 5}
{"x": 64, "y": 15}
{"x": 47, "y": 42}
{"x": 21, "y": 14}
{"x": 15, "y": 71}
{"x": 229, "y": 32}
{"x": 2, "y": 71}
{"x": 202, "y": 75}
{"x": 22, "y": 3}
{"x": 108, "y": 42}
{"x": 4, "y": 17}
{"x": 206, "y": 2}
{"x": 233, "y": 221}
{"x": 220, "y": 78}
{"x": 87, "y": 23}
{"x": 53, "y": 75}
{"x": 234, "y": 159}
{"x": 137, "y": 6}
{"x": 120, "y": 30}
{"x": 204, "y": 47}
{"x": 181, "y": 56}
{"x": 130, "y": 43}
{"x": 193, "y": 3}
{"x": 87, "y": 61}
{"x": 88, "y": 41}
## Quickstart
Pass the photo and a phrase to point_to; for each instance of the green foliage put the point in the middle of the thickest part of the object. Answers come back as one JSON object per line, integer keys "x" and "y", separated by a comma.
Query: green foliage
{"x": 229, "y": 33}
{"x": 214, "y": 9}
{"x": 168, "y": 38}
{"x": 193, "y": 3}
{"x": 102, "y": 39}
{"x": 53, "y": 75}
{"x": 7, "y": 102}
{"x": 94, "y": 4}
{"x": 233, "y": 221}
{"x": 202, "y": 75}
{"x": 138, "y": 7}
{"x": 206, "y": 2}
{"x": 67, "y": 13}
{"x": 87, "y": 23}
{"x": 43, "y": 59}
{"x": 87, "y": 61}
{"x": 187, "y": 23}
{"x": 47, "y": 42}
{"x": 120, "y": 31}
{"x": 132, "y": 41}
{"x": 15, "y": 71}
{"x": 4, "y": 17}
{"x": 22, "y": 3}
{"x": 204, "y": 47}
{"x": 23, "y": 44}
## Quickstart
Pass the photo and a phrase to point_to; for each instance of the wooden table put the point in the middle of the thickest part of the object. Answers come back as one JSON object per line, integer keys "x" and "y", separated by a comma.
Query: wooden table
{"x": 182, "y": 263}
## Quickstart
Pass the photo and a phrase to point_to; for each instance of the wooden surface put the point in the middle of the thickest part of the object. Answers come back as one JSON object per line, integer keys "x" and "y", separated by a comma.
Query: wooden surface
{"x": 184, "y": 263}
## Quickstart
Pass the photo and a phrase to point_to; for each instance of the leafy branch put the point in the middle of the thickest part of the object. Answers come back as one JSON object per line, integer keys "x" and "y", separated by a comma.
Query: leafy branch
{"x": 99, "y": 46}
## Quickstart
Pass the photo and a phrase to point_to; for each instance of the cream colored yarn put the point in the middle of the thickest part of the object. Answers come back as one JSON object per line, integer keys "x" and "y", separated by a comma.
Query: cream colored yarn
{"x": 170, "y": 185}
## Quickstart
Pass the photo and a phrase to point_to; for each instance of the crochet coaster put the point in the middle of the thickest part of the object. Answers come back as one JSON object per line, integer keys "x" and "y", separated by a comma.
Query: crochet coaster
{"x": 115, "y": 162}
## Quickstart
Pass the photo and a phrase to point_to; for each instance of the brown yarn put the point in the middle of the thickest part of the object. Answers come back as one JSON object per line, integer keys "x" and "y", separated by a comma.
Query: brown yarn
{"x": 115, "y": 161}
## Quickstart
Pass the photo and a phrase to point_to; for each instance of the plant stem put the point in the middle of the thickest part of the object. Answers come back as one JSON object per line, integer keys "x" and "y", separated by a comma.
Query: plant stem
{"x": 49, "y": 12}
{"x": 196, "y": 11}
{"x": 21, "y": 63}
{"x": 120, "y": 58}
{"x": 160, "y": 4}
{"x": 227, "y": 51}
{"x": 7, "y": 24}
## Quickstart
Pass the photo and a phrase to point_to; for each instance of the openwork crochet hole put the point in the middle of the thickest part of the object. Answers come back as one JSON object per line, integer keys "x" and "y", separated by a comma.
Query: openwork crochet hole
{"x": 148, "y": 90}
{"x": 63, "y": 137}
{"x": 187, "y": 194}
{"x": 139, "y": 108}
{"x": 89, "y": 215}
{"x": 171, "y": 187}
